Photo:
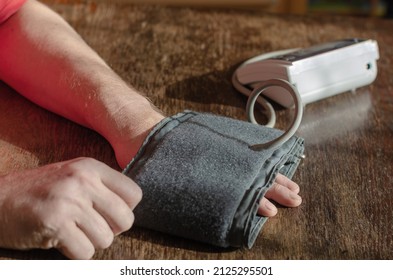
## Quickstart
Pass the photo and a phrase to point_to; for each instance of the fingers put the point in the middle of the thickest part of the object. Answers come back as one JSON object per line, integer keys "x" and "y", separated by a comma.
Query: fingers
{"x": 100, "y": 207}
{"x": 96, "y": 228}
{"x": 113, "y": 180}
{"x": 116, "y": 212}
{"x": 91, "y": 227}
{"x": 285, "y": 181}
{"x": 121, "y": 185}
{"x": 76, "y": 206}
{"x": 284, "y": 191}
{"x": 116, "y": 198}
{"x": 75, "y": 244}
{"x": 285, "y": 194}
{"x": 266, "y": 208}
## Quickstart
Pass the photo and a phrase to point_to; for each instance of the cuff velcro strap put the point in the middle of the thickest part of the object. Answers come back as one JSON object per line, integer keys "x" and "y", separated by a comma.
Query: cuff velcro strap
{"x": 202, "y": 180}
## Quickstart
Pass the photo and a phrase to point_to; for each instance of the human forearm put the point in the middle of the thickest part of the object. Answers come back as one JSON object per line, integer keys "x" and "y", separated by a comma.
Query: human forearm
{"x": 44, "y": 59}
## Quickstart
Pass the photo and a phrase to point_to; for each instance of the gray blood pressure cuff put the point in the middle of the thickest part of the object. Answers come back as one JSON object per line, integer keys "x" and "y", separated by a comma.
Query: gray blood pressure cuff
{"x": 202, "y": 180}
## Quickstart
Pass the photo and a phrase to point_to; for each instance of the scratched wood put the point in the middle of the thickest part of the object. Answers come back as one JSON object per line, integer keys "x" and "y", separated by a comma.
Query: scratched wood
{"x": 183, "y": 58}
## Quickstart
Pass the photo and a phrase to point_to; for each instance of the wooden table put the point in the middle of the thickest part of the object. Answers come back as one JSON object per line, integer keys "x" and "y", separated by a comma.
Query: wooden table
{"x": 183, "y": 59}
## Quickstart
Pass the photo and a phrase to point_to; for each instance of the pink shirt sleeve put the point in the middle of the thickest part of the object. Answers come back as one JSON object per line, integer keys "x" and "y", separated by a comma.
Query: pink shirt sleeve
{"x": 8, "y": 8}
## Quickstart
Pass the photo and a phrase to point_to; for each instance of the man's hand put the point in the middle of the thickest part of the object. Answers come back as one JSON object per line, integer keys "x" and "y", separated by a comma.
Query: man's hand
{"x": 75, "y": 206}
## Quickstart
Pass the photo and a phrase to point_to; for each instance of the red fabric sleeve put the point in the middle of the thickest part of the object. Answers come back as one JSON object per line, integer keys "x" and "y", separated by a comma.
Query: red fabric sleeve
{"x": 8, "y": 8}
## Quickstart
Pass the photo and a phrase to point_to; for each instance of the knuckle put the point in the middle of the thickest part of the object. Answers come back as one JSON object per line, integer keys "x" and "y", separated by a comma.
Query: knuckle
{"x": 52, "y": 220}
{"x": 106, "y": 240}
{"x": 85, "y": 254}
{"x": 78, "y": 180}
{"x": 81, "y": 254}
{"x": 295, "y": 187}
{"x": 128, "y": 222}
{"x": 85, "y": 160}
{"x": 135, "y": 196}
{"x": 138, "y": 194}
{"x": 131, "y": 194}
{"x": 275, "y": 190}
{"x": 125, "y": 223}
{"x": 81, "y": 164}
{"x": 89, "y": 254}
{"x": 278, "y": 187}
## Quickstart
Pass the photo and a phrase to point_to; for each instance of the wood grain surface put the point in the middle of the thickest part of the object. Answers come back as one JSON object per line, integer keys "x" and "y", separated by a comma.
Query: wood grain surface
{"x": 183, "y": 58}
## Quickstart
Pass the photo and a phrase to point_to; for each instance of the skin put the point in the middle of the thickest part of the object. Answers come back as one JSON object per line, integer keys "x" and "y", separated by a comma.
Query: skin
{"x": 80, "y": 205}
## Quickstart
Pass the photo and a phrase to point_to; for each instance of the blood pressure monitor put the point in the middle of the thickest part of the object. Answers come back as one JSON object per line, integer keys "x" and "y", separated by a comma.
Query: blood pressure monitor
{"x": 317, "y": 72}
